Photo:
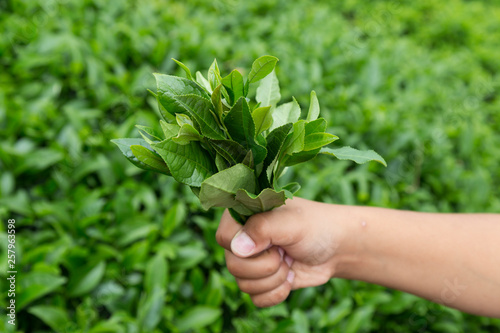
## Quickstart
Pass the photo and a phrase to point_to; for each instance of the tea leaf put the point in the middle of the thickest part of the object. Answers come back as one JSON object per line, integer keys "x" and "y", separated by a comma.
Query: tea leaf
{"x": 268, "y": 92}
{"x": 221, "y": 163}
{"x": 234, "y": 85}
{"x": 313, "y": 107}
{"x": 275, "y": 141}
{"x": 203, "y": 82}
{"x": 149, "y": 134}
{"x": 300, "y": 157}
{"x": 263, "y": 119}
{"x": 265, "y": 201}
{"x": 168, "y": 87}
{"x": 358, "y": 156}
{"x": 214, "y": 77}
{"x": 86, "y": 279}
{"x": 232, "y": 151}
{"x": 125, "y": 147}
{"x": 219, "y": 190}
{"x": 241, "y": 128}
{"x": 318, "y": 140}
{"x": 189, "y": 164}
{"x": 183, "y": 119}
{"x": 286, "y": 113}
{"x": 150, "y": 158}
{"x": 197, "y": 317}
{"x": 217, "y": 100}
{"x": 156, "y": 274}
{"x": 261, "y": 68}
{"x": 169, "y": 130}
{"x": 35, "y": 285}
{"x": 186, "y": 134}
{"x": 53, "y": 316}
{"x": 185, "y": 68}
{"x": 199, "y": 109}
{"x": 295, "y": 140}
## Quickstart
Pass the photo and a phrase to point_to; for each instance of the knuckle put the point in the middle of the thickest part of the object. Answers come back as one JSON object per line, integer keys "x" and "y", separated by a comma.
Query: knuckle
{"x": 244, "y": 285}
{"x": 271, "y": 298}
{"x": 271, "y": 266}
{"x": 258, "y": 224}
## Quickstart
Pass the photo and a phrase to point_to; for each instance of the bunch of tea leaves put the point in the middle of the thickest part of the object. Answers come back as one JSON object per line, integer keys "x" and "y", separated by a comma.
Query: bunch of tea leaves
{"x": 230, "y": 150}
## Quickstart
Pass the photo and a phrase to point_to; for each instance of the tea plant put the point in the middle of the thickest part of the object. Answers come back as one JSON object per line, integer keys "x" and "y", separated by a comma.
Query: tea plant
{"x": 229, "y": 150}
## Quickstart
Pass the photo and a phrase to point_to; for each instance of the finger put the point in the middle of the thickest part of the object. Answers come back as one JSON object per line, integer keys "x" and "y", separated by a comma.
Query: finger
{"x": 277, "y": 227}
{"x": 272, "y": 297}
{"x": 259, "y": 286}
{"x": 228, "y": 227}
{"x": 260, "y": 266}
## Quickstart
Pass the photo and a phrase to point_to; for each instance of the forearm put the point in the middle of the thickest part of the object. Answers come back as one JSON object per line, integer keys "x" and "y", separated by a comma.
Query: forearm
{"x": 453, "y": 259}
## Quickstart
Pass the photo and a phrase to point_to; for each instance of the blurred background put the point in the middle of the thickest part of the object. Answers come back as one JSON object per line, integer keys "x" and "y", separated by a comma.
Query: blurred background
{"x": 105, "y": 247}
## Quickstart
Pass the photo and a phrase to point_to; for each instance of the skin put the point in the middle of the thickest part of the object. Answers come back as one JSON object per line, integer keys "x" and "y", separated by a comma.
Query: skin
{"x": 451, "y": 259}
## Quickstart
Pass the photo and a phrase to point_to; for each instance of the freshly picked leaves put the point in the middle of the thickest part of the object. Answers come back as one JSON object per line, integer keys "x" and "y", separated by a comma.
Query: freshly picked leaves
{"x": 229, "y": 149}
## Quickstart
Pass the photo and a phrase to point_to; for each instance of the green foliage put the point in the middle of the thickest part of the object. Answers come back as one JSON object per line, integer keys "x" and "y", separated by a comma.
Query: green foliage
{"x": 416, "y": 81}
{"x": 233, "y": 139}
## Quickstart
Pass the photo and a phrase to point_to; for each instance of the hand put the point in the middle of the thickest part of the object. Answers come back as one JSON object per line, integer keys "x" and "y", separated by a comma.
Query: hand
{"x": 290, "y": 247}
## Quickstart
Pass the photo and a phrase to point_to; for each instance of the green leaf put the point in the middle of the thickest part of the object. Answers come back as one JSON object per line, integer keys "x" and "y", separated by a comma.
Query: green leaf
{"x": 241, "y": 128}
{"x": 168, "y": 87}
{"x": 220, "y": 189}
{"x": 221, "y": 163}
{"x": 34, "y": 285}
{"x": 197, "y": 317}
{"x": 189, "y": 164}
{"x": 300, "y": 157}
{"x": 188, "y": 256}
{"x": 261, "y": 68}
{"x": 231, "y": 151}
{"x": 360, "y": 319}
{"x": 199, "y": 109}
{"x": 295, "y": 140}
{"x": 249, "y": 160}
{"x": 275, "y": 141}
{"x": 286, "y": 113}
{"x": 183, "y": 119}
{"x": 268, "y": 92}
{"x": 150, "y": 309}
{"x": 54, "y": 317}
{"x": 263, "y": 119}
{"x": 156, "y": 274}
{"x": 202, "y": 81}
{"x": 149, "y": 134}
{"x": 125, "y": 147}
{"x": 318, "y": 140}
{"x": 214, "y": 77}
{"x": 86, "y": 279}
{"x": 291, "y": 187}
{"x": 187, "y": 133}
{"x": 234, "y": 86}
{"x": 169, "y": 130}
{"x": 316, "y": 126}
{"x": 150, "y": 158}
{"x": 217, "y": 101}
{"x": 185, "y": 68}
{"x": 265, "y": 201}
{"x": 358, "y": 156}
{"x": 313, "y": 107}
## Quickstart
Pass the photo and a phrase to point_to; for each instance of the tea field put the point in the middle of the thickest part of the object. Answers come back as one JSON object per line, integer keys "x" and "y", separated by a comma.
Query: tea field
{"x": 102, "y": 246}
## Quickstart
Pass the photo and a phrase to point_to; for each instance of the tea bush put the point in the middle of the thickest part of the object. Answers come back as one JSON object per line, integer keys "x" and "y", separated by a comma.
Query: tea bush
{"x": 105, "y": 247}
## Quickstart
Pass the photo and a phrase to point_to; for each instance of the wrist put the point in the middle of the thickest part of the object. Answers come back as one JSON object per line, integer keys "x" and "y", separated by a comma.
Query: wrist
{"x": 350, "y": 245}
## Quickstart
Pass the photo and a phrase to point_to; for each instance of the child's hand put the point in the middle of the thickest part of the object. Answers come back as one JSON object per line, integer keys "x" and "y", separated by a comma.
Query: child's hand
{"x": 290, "y": 247}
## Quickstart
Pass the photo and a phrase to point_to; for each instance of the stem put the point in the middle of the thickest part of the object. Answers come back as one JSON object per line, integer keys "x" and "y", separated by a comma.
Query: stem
{"x": 237, "y": 216}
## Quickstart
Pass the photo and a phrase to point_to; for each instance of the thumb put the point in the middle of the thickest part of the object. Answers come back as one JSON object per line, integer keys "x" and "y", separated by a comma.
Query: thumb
{"x": 264, "y": 230}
